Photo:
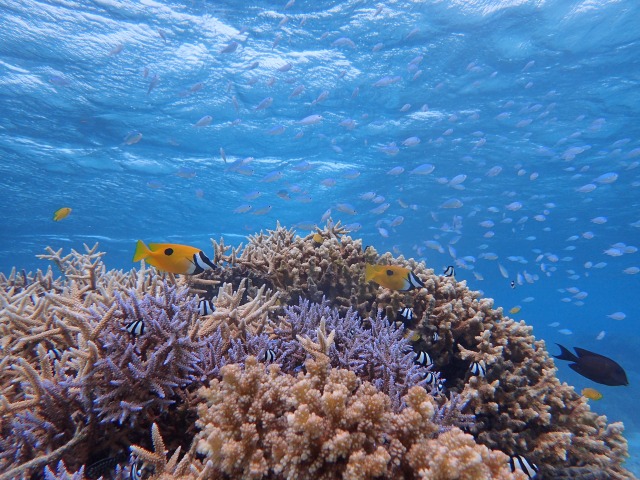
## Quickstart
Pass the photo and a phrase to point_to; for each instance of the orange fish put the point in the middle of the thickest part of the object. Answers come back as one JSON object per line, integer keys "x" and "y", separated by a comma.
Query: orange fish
{"x": 61, "y": 213}
{"x": 173, "y": 258}
{"x": 392, "y": 277}
{"x": 515, "y": 309}
{"x": 591, "y": 393}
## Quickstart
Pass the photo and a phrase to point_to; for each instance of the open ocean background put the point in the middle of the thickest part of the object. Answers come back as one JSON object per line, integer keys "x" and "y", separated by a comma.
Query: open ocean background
{"x": 525, "y": 113}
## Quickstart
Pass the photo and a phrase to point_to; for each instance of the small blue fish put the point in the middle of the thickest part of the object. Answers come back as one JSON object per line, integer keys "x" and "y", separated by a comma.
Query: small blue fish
{"x": 297, "y": 91}
{"x": 424, "y": 169}
{"x": 277, "y": 130}
{"x": 204, "y": 121}
{"x": 132, "y": 138}
{"x": 242, "y": 208}
{"x": 153, "y": 83}
{"x": 232, "y": 47}
{"x": 272, "y": 177}
{"x": 252, "y": 195}
{"x": 391, "y": 149}
{"x": 386, "y": 81}
{"x": 311, "y": 120}
{"x": 263, "y": 210}
{"x": 266, "y": 103}
{"x": 346, "y": 208}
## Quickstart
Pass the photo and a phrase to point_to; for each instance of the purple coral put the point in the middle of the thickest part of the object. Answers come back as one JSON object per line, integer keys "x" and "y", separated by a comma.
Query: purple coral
{"x": 141, "y": 372}
{"x": 61, "y": 473}
{"x": 375, "y": 349}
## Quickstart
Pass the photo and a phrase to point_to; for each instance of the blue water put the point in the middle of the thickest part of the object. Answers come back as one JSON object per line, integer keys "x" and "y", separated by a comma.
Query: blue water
{"x": 531, "y": 101}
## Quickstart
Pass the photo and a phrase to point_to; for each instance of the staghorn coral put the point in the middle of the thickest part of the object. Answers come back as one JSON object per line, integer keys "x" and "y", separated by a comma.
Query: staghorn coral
{"x": 71, "y": 364}
{"x": 237, "y": 316}
{"x": 155, "y": 365}
{"x": 329, "y": 424}
{"x": 374, "y": 349}
{"x": 53, "y": 331}
{"x": 520, "y": 406}
{"x": 61, "y": 473}
{"x": 297, "y": 267}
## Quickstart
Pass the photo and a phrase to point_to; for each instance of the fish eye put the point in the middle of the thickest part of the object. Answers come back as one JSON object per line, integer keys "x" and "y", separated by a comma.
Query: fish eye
{"x": 389, "y": 272}
{"x": 168, "y": 251}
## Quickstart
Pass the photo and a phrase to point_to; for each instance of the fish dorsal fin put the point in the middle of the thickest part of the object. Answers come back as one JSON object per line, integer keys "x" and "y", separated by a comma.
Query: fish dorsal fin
{"x": 586, "y": 353}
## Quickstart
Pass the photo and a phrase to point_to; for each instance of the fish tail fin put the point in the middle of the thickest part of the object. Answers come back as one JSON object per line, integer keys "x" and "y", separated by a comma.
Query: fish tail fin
{"x": 566, "y": 354}
{"x": 142, "y": 251}
{"x": 369, "y": 272}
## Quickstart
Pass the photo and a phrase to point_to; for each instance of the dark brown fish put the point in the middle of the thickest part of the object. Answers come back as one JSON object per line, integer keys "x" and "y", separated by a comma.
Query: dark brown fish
{"x": 594, "y": 366}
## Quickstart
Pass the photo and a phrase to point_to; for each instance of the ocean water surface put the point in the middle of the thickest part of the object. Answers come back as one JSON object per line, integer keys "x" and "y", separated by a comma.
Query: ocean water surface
{"x": 499, "y": 137}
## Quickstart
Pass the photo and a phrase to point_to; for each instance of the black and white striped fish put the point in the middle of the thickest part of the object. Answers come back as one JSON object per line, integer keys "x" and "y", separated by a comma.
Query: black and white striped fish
{"x": 449, "y": 271}
{"x": 405, "y": 315}
{"x": 138, "y": 470}
{"x": 423, "y": 358}
{"x": 269, "y": 355}
{"x": 435, "y": 337}
{"x": 518, "y": 462}
{"x": 477, "y": 369}
{"x": 206, "y": 307}
{"x": 135, "y": 328}
{"x": 431, "y": 378}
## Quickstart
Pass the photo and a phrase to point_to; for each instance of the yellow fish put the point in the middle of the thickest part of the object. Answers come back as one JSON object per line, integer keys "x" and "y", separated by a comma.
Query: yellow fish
{"x": 392, "y": 277}
{"x": 173, "y": 258}
{"x": 515, "y": 309}
{"x": 318, "y": 238}
{"x": 591, "y": 393}
{"x": 412, "y": 335}
{"x": 61, "y": 213}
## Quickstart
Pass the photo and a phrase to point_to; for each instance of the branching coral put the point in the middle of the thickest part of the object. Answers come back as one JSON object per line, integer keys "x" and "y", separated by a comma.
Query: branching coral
{"x": 374, "y": 349}
{"x": 73, "y": 362}
{"x": 298, "y": 267}
{"x": 520, "y": 406}
{"x": 329, "y": 424}
{"x": 155, "y": 365}
{"x": 72, "y": 367}
{"x": 237, "y": 314}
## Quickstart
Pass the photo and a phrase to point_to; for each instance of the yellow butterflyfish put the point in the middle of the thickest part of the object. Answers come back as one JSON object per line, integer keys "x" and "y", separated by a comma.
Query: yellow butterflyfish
{"x": 392, "y": 277}
{"x": 173, "y": 258}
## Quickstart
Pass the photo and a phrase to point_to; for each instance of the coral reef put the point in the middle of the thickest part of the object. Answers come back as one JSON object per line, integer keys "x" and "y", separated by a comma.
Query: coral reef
{"x": 328, "y": 424}
{"x": 302, "y": 369}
